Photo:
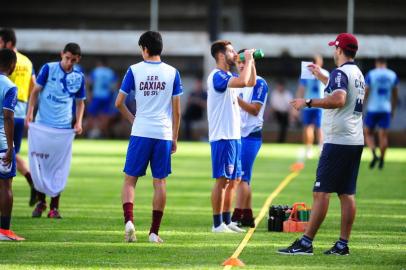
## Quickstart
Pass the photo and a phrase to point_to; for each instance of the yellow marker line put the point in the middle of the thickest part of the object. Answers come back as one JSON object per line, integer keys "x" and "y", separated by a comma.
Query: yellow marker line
{"x": 261, "y": 215}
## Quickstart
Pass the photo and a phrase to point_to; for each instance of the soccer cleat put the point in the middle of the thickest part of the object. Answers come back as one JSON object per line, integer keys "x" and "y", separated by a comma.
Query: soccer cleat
{"x": 130, "y": 232}
{"x": 381, "y": 163}
{"x": 248, "y": 222}
{"x": 234, "y": 227}
{"x": 222, "y": 229}
{"x": 39, "y": 209}
{"x": 373, "y": 162}
{"x": 297, "y": 249}
{"x": 336, "y": 250}
{"x": 9, "y": 235}
{"x": 33, "y": 197}
{"x": 154, "y": 238}
{"x": 54, "y": 213}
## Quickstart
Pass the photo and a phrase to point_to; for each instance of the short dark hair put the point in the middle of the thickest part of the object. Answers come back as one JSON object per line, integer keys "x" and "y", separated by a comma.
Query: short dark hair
{"x": 152, "y": 41}
{"x": 241, "y": 51}
{"x": 73, "y": 48}
{"x": 280, "y": 81}
{"x": 349, "y": 54}
{"x": 7, "y": 58}
{"x": 219, "y": 46}
{"x": 381, "y": 60}
{"x": 8, "y": 35}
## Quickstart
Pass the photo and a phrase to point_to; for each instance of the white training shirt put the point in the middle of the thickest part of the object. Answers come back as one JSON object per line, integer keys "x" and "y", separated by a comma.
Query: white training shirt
{"x": 223, "y": 111}
{"x": 344, "y": 125}
{"x": 154, "y": 83}
{"x": 257, "y": 94}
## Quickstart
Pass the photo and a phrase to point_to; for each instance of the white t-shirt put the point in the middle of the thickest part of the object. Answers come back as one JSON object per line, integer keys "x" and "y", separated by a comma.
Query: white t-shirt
{"x": 280, "y": 100}
{"x": 257, "y": 94}
{"x": 154, "y": 83}
{"x": 344, "y": 125}
{"x": 223, "y": 111}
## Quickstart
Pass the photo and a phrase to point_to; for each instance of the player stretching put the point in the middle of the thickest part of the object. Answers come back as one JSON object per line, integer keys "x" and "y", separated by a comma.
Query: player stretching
{"x": 8, "y": 99}
{"x": 381, "y": 95}
{"x": 155, "y": 128}
{"x": 223, "y": 115}
{"x": 252, "y": 101}
{"x": 343, "y": 143}
{"x": 58, "y": 85}
{"x": 24, "y": 78}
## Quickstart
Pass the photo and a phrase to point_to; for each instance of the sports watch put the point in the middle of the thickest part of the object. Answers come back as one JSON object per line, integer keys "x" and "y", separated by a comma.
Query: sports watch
{"x": 309, "y": 102}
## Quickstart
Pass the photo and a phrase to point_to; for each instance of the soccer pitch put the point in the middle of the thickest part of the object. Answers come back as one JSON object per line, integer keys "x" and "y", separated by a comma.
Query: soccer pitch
{"x": 91, "y": 233}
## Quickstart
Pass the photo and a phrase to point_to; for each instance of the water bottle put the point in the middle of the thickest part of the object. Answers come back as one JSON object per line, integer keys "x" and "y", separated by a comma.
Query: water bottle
{"x": 258, "y": 54}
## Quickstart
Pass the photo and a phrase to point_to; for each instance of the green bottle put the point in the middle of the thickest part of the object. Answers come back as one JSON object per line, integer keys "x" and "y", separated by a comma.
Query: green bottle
{"x": 258, "y": 54}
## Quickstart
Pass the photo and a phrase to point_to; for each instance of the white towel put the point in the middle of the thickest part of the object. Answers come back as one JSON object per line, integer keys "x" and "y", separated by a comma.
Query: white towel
{"x": 49, "y": 154}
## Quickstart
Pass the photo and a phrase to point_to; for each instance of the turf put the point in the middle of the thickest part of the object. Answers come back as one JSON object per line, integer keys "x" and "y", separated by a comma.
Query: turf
{"x": 90, "y": 235}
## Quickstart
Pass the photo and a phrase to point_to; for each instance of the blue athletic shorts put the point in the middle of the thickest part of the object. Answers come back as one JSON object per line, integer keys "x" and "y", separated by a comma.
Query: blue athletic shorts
{"x": 101, "y": 106}
{"x": 250, "y": 149}
{"x": 226, "y": 159}
{"x": 312, "y": 116}
{"x": 143, "y": 151}
{"x": 338, "y": 169}
{"x": 12, "y": 173}
{"x": 382, "y": 119}
{"x": 18, "y": 133}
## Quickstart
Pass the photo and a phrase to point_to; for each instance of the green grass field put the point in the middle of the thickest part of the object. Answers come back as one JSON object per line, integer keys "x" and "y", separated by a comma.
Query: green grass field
{"x": 90, "y": 235}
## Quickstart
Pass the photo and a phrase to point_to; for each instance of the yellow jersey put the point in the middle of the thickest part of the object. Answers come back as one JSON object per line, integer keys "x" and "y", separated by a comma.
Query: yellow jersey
{"x": 21, "y": 76}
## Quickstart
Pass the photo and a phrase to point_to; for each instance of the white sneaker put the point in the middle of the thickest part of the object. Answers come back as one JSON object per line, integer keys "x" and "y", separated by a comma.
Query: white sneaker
{"x": 309, "y": 153}
{"x": 233, "y": 226}
{"x": 130, "y": 232}
{"x": 154, "y": 238}
{"x": 222, "y": 229}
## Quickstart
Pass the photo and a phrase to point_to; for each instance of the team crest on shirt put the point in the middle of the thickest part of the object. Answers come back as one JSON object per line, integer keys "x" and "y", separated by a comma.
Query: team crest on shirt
{"x": 72, "y": 83}
{"x": 230, "y": 168}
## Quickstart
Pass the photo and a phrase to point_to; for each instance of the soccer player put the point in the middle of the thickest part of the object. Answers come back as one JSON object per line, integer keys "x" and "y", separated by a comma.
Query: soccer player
{"x": 343, "y": 143}
{"x": 155, "y": 128}
{"x": 223, "y": 115}
{"x": 58, "y": 85}
{"x": 103, "y": 81}
{"x": 381, "y": 95}
{"x": 311, "y": 117}
{"x": 8, "y": 99}
{"x": 24, "y": 78}
{"x": 252, "y": 101}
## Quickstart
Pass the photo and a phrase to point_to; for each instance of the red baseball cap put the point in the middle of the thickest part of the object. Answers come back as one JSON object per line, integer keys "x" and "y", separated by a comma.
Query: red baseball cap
{"x": 345, "y": 41}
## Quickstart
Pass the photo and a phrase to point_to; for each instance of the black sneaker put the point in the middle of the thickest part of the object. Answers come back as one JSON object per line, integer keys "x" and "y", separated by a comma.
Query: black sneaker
{"x": 335, "y": 250}
{"x": 374, "y": 160}
{"x": 297, "y": 249}
{"x": 381, "y": 162}
{"x": 33, "y": 197}
{"x": 248, "y": 223}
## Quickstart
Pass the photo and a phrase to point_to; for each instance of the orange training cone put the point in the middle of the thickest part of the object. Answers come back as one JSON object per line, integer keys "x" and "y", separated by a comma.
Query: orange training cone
{"x": 233, "y": 262}
{"x": 297, "y": 166}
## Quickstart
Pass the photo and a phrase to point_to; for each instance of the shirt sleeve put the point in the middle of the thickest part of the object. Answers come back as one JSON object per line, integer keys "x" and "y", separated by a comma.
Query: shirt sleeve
{"x": 81, "y": 94}
{"x": 220, "y": 80}
{"x": 302, "y": 82}
{"x": 128, "y": 83}
{"x": 43, "y": 75}
{"x": 10, "y": 99}
{"x": 338, "y": 81}
{"x": 368, "y": 79}
{"x": 177, "y": 85}
{"x": 259, "y": 92}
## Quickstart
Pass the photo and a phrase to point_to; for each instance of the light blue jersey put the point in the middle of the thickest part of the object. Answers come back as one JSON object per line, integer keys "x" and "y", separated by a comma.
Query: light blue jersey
{"x": 8, "y": 100}
{"x": 103, "y": 80}
{"x": 59, "y": 90}
{"x": 380, "y": 82}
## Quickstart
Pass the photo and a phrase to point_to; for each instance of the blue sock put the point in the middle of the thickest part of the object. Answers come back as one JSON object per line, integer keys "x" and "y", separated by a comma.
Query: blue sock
{"x": 217, "y": 220}
{"x": 227, "y": 217}
{"x": 306, "y": 241}
{"x": 341, "y": 243}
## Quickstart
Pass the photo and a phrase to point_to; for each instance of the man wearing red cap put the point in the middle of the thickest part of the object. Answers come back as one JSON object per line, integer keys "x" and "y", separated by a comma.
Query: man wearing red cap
{"x": 343, "y": 143}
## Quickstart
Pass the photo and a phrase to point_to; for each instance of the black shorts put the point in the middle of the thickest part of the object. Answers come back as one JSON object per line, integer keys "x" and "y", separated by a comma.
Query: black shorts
{"x": 338, "y": 169}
